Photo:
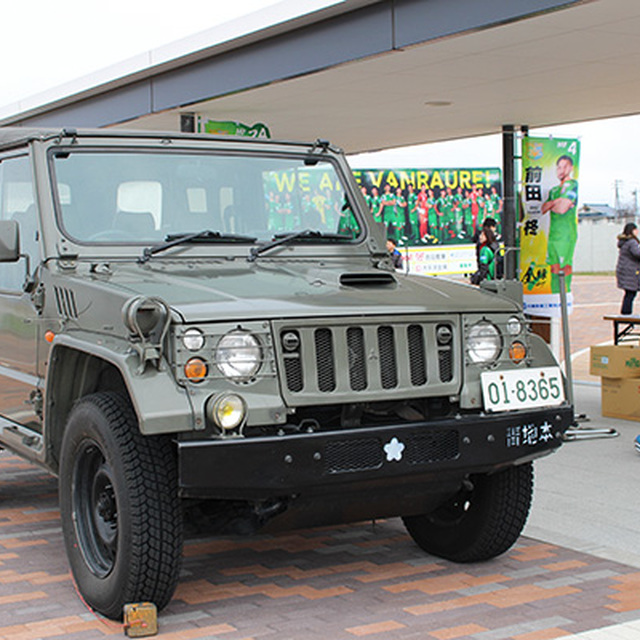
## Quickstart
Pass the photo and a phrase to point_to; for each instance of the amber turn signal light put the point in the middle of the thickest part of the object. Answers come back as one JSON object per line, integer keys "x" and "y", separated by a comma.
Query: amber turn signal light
{"x": 517, "y": 352}
{"x": 196, "y": 370}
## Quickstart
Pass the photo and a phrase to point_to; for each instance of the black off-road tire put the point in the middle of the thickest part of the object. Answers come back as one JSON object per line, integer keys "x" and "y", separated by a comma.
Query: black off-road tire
{"x": 478, "y": 523}
{"x": 121, "y": 515}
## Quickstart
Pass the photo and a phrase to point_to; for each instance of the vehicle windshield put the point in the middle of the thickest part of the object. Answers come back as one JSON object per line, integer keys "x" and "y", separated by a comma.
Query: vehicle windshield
{"x": 146, "y": 197}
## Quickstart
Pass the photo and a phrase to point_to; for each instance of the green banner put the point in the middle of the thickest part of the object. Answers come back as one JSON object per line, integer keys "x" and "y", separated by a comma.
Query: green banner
{"x": 549, "y": 225}
{"x": 310, "y": 197}
{"x": 231, "y": 128}
{"x": 432, "y": 206}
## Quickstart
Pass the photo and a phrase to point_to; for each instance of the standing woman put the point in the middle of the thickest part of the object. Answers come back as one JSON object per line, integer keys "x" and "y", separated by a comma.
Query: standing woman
{"x": 628, "y": 266}
{"x": 485, "y": 253}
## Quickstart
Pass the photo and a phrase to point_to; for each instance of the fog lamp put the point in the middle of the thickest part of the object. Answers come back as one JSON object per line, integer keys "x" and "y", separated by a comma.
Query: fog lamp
{"x": 227, "y": 411}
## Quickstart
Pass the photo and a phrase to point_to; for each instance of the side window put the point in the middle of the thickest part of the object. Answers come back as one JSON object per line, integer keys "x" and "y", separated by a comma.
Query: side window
{"x": 17, "y": 202}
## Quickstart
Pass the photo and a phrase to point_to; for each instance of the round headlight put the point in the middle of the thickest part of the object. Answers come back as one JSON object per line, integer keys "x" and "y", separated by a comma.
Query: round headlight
{"x": 238, "y": 355}
{"x": 514, "y": 326}
{"x": 227, "y": 411}
{"x": 193, "y": 339}
{"x": 484, "y": 343}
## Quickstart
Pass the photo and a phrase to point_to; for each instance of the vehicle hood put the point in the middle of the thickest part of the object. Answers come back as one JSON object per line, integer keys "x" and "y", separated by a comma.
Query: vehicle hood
{"x": 204, "y": 292}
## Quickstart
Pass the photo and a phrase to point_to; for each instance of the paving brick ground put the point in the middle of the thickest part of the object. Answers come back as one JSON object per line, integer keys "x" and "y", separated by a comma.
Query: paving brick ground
{"x": 363, "y": 580}
{"x": 593, "y": 298}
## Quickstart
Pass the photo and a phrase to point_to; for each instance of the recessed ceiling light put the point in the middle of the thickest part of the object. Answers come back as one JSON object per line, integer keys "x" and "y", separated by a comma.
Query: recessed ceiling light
{"x": 438, "y": 103}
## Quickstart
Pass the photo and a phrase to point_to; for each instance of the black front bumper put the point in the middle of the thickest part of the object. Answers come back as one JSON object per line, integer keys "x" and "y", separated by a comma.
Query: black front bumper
{"x": 364, "y": 459}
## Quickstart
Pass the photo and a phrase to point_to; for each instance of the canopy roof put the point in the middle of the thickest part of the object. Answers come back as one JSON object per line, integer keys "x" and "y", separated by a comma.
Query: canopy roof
{"x": 372, "y": 74}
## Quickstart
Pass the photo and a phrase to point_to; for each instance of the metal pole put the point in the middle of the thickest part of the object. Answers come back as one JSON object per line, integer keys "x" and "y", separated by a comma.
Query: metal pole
{"x": 509, "y": 212}
{"x": 574, "y": 432}
{"x": 566, "y": 344}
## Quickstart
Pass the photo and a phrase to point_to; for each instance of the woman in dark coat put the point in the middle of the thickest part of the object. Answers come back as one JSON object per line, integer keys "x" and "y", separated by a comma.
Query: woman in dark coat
{"x": 628, "y": 266}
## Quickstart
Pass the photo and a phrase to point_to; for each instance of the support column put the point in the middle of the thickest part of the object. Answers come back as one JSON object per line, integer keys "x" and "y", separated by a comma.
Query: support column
{"x": 509, "y": 210}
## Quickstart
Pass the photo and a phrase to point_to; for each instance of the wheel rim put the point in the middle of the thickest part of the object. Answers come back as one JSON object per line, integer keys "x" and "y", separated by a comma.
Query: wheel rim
{"x": 95, "y": 510}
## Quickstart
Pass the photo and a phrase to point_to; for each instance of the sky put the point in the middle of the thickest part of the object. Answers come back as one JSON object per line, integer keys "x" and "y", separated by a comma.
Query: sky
{"x": 50, "y": 43}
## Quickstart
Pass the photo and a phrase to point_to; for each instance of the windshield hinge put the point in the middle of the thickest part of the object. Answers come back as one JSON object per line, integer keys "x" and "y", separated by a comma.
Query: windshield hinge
{"x": 35, "y": 399}
{"x": 37, "y": 297}
{"x": 68, "y": 263}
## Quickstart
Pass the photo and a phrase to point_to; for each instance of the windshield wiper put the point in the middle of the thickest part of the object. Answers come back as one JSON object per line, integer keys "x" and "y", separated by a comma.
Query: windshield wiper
{"x": 285, "y": 238}
{"x": 173, "y": 240}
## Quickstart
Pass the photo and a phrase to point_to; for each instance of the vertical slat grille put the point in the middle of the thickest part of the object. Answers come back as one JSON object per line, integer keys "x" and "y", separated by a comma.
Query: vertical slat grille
{"x": 417, "y": 355}
{"x": 445, "y": 362}
{"x": 357, "y": 361}
{"x": 325, "y": 360}
{"x": 388, "y": 364}
{"x": 365, "y": 359}
{"x": 293, "y": 371}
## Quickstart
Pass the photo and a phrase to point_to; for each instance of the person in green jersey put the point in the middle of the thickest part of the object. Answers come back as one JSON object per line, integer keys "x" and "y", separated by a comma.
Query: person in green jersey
{"x": 286, "y": 211}
{"x": 374, "y": 205}
{"x": 458, "y": 219}
{"x": 274, "y": 217}
{"x": 481, "y": 201}
{"x": 412, "y": 214}
{"x": 397, "y": 225}
{"x": 387, "y": 206}
{"x": 347, "y": 224}
{"x": 433, "y": 216}
{"x": 485, "y": 252}
{"x": 423, "y": 222}
{"x": 366, "y": 196}
{"x": 444, "y": 204}
{"x": 467, "y": 215}
{"x": 494, "y": 207}
{"x": 561, "y": 205}
{"x": 310, "y": 213}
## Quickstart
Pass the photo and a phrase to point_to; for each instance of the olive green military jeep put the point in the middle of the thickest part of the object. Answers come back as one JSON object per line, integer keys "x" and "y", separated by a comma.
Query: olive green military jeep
{"x": 213, "y": 327}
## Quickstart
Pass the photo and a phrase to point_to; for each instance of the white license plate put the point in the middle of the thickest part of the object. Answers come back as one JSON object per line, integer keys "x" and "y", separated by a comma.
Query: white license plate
{"x": 522, "y": 389}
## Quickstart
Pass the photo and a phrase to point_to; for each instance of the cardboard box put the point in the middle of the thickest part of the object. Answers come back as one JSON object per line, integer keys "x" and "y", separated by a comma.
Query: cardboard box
{"x": 615, "y": 361}
{"x": 621, "y": 398}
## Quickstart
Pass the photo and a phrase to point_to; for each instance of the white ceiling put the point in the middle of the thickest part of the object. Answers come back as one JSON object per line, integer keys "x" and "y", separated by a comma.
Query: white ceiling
{"x": 576, "y": 64}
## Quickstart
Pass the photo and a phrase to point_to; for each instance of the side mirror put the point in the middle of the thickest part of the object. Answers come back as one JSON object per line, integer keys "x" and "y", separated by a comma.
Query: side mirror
{"x": 9, "y": 241}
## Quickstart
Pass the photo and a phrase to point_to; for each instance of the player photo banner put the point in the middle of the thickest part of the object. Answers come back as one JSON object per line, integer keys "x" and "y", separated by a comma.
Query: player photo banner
{"x": 423, "y": 206}
{"x": 549, "y": 225}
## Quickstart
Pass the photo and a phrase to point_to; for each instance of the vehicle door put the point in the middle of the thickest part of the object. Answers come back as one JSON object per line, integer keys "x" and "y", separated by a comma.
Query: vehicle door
{"x": 19, "y": 380}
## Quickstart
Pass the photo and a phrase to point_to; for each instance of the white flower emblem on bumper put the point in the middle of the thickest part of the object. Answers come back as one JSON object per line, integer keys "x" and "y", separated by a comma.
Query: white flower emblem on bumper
{"x": 394, "y": 450}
